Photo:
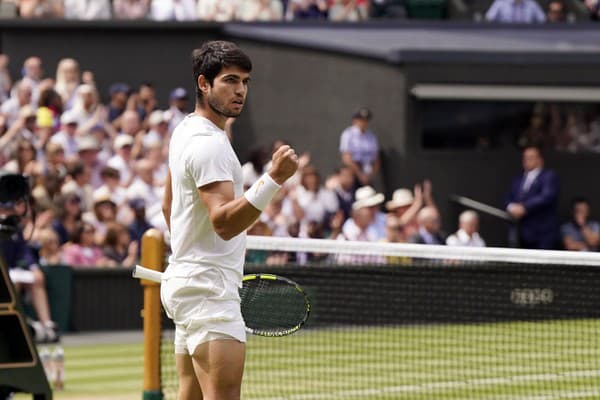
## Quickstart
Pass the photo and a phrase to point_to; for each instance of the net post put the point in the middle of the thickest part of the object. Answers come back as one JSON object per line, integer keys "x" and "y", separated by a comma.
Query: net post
{"x": 153, "y": 253}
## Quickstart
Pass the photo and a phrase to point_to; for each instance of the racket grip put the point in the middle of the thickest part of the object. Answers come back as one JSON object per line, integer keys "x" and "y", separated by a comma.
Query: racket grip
{"x": 146, "y": 273}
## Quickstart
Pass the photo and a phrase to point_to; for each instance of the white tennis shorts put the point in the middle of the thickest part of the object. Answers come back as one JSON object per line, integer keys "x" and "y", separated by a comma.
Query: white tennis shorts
{"x": 204, "y": 306}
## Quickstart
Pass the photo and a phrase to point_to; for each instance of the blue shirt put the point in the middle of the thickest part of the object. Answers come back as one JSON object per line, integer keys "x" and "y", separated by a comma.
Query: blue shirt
{"x": 573, "y": 231}
{"x": 516, "y": 11}
{"x": 363, "y": 147}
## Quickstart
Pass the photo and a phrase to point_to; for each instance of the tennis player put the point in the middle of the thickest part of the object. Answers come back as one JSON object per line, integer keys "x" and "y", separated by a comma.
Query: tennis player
{"x": 208, "y": 213}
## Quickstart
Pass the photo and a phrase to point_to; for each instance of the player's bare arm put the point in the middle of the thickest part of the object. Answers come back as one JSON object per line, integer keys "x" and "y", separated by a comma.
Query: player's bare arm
{"x": 166, "y": 206}
{"x": 230, "y": 216}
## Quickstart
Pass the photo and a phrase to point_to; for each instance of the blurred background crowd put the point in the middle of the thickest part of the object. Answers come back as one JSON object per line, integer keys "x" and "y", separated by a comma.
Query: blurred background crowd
{"x": 517, "y": 11}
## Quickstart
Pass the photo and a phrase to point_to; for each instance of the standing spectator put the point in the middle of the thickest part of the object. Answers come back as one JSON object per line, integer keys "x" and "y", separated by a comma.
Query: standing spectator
{"x": 87, "y": 10}
{"x": 429, "y": 231}
{"x": 261, "y": 10}
{"x": 22, "y": 97}
{"x": 81, "y": 250}
{"x": 118, "y": 248}
{"x": 360, "y": 149}
{"x": 173, "y": 10}
{"x": 32, "y": 74}
{"x": 178, "y": 109}
{"x": 581, "y": 233}
{"x": 306, "y": 9}
{"x": 122, "y": 160}
{"x": 349, "y": 11}
{"x": 41, "y": 9}
{"x": 131, "y": 9}
{"x": 468, "y": 232}
{"x": 515, "y": 11}
{"x": 532, "y": 201}
{"x": 67, "y": 80}
{"x": 218, "y": 10}
{"x": 556, "y": 11}
{"x": 67, "y": 136}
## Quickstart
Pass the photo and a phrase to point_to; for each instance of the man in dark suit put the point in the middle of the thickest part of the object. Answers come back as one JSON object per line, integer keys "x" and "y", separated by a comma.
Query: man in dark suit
{"x": 532, "y": 201}
{"x": 429, "y": 232}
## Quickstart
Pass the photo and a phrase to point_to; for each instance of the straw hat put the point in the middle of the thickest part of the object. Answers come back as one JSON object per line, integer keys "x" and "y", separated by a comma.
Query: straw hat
{"x": 400, "y": 198}
{"x": 367, "y": 197}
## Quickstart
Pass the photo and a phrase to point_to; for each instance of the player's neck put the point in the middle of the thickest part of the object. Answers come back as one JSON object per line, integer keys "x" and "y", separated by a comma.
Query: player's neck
{"x": 211, "y": 115}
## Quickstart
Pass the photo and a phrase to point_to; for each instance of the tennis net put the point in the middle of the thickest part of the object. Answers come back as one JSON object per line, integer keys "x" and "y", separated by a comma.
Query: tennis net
{"x": 402, "y": 321}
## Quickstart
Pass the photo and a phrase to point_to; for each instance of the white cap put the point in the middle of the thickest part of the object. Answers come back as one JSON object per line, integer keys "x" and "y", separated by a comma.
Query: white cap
{"x": 123, "y": 140}
{"x": 68, "y": 117}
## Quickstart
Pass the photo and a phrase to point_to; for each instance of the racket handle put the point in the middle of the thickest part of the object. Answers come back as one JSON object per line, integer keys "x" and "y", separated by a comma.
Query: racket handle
{"x": 146, "y": 273}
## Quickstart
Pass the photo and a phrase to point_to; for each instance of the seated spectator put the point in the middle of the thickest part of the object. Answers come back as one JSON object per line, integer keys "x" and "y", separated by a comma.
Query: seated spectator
{"x": 119, "y": 95}
{"x": 140, "y": 224}
{"x": 405, "y": 207}
{"x": 55, "y": 160}
{"x": 173, "y": 10}
{"x": 87, "y": 151}
{"x": 315, "y": 201}
{"x": 307, "y": 9}
{"x": 68, "y": 218}
{"x": 87, "y": 10}
{"x": 131, "y": 9}
{"x": 67, "y": 136}
{"x": 78, "y": 182}
{"x": 118, "y": 248}
{"x": 33, "y": 73}
{"x": 368, "y": 201}
{"x": 122, "y": 160}
{"x": 429, "y": 231}
{"x": 88, "y": 110}
{"x": 359, "y": 148}
{"x": 272, "y": 216}
{"x": 261, "y": 10}
{"x": 25, "y": 160}
{"x": 50, "y": 253}
{"x": 218, "y": 10}
{"x": 342, "y": 184}
{"x": 22, "y": 129}
{"x": 556, "y": 11}
{"x": 104, "y": 212}
{"x": 467, "y": 234}
{"x": 254, "y": 167}
{"x": 348, "y": 11}
{"x": 388, "y": 9}
{"x": 41, "y": 8}
{"x": 581, "y": 233}
{"x": 143, "y": 187}
{"x": 22, "y": 96}
{"x": 50, "y": 107}
{"x": 110, "y": 184}
{"x": 81, "y": 250}
{"x": 394, "y": 231}
{"x": 515, "y": 11}
{"x": 178, "y": 101}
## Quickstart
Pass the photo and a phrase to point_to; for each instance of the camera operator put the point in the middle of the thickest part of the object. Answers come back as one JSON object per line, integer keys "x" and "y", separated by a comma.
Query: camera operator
{"x": 22, "y": 267}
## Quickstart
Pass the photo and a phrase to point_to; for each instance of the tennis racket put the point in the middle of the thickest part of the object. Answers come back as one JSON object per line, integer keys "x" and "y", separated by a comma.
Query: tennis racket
{"x": 271, "y": 305}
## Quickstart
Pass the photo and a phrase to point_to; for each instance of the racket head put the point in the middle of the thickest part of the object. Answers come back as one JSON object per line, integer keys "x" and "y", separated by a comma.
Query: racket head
{"x": 273, "y": 305}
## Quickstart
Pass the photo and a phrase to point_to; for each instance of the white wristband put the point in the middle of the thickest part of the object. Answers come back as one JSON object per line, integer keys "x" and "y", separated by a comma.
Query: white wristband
{"x": 262, "y": 191}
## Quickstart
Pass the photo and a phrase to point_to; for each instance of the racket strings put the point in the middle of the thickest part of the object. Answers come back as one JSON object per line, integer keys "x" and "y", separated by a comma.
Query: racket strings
{"x": 271, "y": 306}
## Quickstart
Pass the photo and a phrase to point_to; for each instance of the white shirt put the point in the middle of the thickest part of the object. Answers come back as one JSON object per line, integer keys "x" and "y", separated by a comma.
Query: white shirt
{"x": 462, "y": 238}
{"x": 68, "y": 143}
{"x": 152, "y": 196}
{"x": 117, "y": 162}
{"x": 316, "y": 205}
{"x": 199, "y": 154}
{"x": 87, "y": 9}
{"x": 173, "y": 10}
{"x": 530, "y": 178}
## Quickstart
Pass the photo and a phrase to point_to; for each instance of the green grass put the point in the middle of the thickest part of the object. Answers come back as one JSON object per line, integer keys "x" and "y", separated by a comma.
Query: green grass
{"x": 527, "y": 361}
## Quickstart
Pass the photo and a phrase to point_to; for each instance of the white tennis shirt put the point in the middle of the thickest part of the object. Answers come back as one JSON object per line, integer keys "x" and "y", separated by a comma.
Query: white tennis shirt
{"x": 199, "y": 154}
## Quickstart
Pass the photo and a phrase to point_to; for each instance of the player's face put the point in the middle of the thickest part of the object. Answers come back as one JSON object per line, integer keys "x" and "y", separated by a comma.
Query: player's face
{"x": 228, "y": 93}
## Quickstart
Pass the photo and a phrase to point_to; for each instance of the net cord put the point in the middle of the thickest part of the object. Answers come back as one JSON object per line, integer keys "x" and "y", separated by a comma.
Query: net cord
{"x": 423, "y": 251}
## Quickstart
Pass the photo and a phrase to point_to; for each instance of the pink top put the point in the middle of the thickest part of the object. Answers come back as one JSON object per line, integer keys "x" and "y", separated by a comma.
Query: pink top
{"x": 76, "y": 255}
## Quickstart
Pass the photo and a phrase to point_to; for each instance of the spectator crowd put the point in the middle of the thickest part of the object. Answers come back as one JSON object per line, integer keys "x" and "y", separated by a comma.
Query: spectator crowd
{"x": 504, "y": 11}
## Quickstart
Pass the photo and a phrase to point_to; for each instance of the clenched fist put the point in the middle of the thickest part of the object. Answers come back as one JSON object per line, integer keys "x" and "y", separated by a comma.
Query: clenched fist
{"x": 285, "y": 164}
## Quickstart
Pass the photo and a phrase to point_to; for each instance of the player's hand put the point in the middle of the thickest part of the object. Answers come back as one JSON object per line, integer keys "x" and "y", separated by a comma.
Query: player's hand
{"x": 285, "y": 164}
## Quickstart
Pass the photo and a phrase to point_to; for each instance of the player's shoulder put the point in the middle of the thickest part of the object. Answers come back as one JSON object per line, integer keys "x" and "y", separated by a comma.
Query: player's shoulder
{"x": 196, "y": 128}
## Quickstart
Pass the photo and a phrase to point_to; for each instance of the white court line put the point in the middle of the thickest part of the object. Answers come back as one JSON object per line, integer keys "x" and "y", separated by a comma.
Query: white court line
{"x": 558, "y": 395}
{"x": 507, "y": 380}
